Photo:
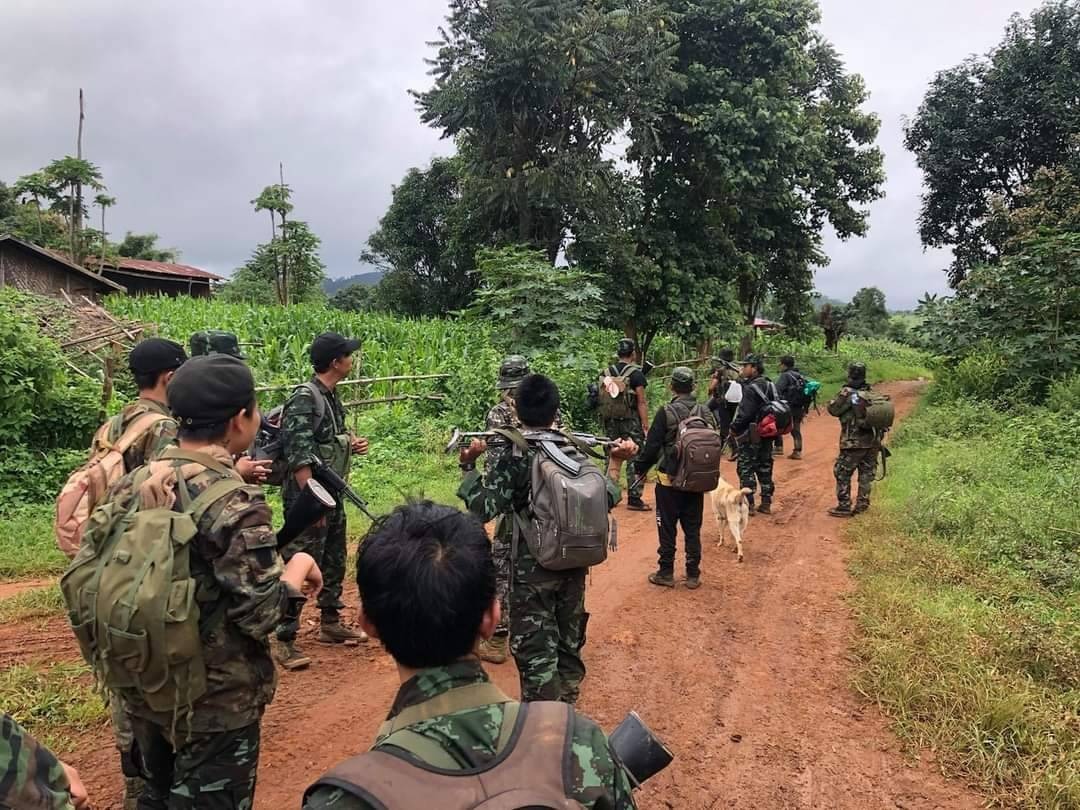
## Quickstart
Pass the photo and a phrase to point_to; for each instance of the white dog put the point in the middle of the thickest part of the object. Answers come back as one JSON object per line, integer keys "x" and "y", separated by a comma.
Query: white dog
{"x": 732, "y": 511}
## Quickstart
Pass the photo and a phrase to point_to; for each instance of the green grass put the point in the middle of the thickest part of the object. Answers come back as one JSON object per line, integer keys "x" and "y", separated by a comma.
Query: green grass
{"x": 52, "y": 703}
{"x": 35, "y": 603}
{"x": 27, "y": 544}
{"x": 968, "y": 600}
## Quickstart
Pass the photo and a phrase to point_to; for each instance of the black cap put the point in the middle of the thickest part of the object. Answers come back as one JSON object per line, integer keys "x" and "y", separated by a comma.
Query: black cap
{"x": 210, "y": 389}
{"x": 329, "y": 346}
{"x": 155, "y": 355}
{"x": 626, "y": 347}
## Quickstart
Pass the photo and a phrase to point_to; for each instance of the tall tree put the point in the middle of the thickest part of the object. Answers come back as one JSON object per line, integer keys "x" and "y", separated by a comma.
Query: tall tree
{"x": 534, "y": 91}
{"x": 144, "y": 246}
{"x": 296, "y": 248}
{"x": 276, "y": 200}
{"x": 68, "y": 176}
{"x": 989, "y": 124}
{"x": 428, "y": 239}
{"x": 867, "y": 315}
{"x": 103, "y": 201}
{"x": 35, "y": 187}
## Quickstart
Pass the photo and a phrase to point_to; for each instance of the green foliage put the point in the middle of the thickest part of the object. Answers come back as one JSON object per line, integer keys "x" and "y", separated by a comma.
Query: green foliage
{"x": 286, "y": 269}
{"x": 52, "y": 703}
{"x": 964, "y": 134}
{"x": 1064, "y": 395}
{"x": 867, "y": 315}
{"x": 27, "y": 543}
{"x": 34, "y": 603}
{"x": 354, "y": 298}
{"x": 428, "y": 240}
{"x": 144, "y": 246}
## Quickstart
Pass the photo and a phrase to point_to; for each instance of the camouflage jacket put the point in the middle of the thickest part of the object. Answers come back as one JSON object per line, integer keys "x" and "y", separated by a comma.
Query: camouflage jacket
{"x": 30, "y": 775}
{"x": 503, "y": 416}
{"x": 505, "y": 489}
{"x": 304, "y": 444}
{"x": 160, "y": 436}
{"x": 470, "y": 737}
{"x": 852, "y": 437}
{"x": 237, "y": 572}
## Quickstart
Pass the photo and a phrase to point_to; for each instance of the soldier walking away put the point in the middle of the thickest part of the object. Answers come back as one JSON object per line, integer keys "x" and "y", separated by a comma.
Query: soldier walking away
{"x": 755, "y": 463}
{"x": 625, "y": 415}
{"x": 204, "y": 683}
{"x": 313, "y": 426}
{"x": 859, "y": 446}
{"x": 427, "y": 584}
{"x": 32, "y": 777}
{"x": 722, "y": 408}
{"x": 675, "y": 507}
{"x": 547, "y": 607}
{"x": 791, "y": 385}
{"x": 213, "y": 341}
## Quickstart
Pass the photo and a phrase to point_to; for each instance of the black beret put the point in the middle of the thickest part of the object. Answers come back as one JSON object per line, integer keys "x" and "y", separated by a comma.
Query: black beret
{"x": 210, "y": 389}
{"x": 155, "y": 355}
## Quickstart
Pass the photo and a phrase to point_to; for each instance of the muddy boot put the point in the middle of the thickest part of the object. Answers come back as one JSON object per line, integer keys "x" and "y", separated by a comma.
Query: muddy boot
{"x": 637, "y": 505}
{"x": 290, "y": 658}
{"x": 860, "y": 508}
{"x": 495, "y": 650}
{"x": 662, "y": 579}
{"x": 841, "y": 511}
{"x": 693, "y": 581}
{"x": 334, "y": 632}
{"x": 778, "y": 451}
{"x": 765, "y": 508}
{"x": 796, "y": 454}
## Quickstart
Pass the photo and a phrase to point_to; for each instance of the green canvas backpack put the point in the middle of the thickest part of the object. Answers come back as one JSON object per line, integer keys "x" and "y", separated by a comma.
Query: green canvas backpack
{"x": 616, "y": 399}
{"x": 874, "y": 411}
{"x": 130, "y": 595}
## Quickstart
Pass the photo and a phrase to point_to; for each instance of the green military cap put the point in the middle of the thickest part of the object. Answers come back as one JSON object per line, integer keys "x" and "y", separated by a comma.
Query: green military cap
{"x": 683, "y": 376}
{"x": 513, "y": 370}
{"x": 213, "y": 341}
{"x": 753, "y": 360}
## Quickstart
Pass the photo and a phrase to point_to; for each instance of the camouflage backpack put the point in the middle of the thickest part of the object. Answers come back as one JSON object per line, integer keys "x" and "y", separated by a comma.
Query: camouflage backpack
{"x": 616, "y": 400}
{"x": 129, "y": 591}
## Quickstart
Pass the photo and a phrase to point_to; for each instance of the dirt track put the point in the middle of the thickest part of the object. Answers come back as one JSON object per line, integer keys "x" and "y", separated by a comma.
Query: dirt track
{"x": 747, "y": 679}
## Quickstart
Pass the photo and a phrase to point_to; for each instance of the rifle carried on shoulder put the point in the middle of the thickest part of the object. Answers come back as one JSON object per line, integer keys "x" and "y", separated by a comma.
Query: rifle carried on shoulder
{"x": 551, "y": 441}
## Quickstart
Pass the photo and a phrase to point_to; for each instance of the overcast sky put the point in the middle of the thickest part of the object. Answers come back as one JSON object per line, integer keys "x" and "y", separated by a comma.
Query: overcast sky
{"x": 190, "y": 106}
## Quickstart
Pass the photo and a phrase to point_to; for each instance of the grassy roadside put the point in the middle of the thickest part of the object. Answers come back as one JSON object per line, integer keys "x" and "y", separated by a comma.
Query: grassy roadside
{"x": 968, "y": 598}
{"x": 53, "y": 703}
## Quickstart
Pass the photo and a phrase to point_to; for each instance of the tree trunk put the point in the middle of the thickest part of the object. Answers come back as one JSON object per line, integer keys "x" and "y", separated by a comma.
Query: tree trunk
{"x": 284, "y": 239}
{"x": 101, "y": 266}
{"x": 76, "y": 222}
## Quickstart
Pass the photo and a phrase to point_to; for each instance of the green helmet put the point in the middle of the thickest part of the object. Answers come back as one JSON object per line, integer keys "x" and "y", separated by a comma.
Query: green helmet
{"x": 513, "y": 370}
{"x": 682, "y": 376}
{"x": 213, "y": 341}
{"x": 857, "y": 371}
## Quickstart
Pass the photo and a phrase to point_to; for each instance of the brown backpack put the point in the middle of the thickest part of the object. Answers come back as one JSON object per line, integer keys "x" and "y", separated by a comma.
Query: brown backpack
{"x": 697, "y": 446}
{"x": 86, "y": 487}
{"x": 406, "y": 770}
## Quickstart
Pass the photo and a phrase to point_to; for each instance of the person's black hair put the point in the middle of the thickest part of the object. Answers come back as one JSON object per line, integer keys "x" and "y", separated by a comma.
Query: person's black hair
{"x": 214, "y": 432}
{"x": 426, "y": 577}
{"x": 727, "y": 354}
{"x": 788, "y": 361}
{"x": 536, "y": 401}
{"x": 146, "y": 380}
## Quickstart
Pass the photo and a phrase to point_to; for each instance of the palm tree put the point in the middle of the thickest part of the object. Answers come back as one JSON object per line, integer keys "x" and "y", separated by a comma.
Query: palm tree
{"x": 103, "y": 201}
{"x": 34, "y": 187}
{"x": 71, "y": 174}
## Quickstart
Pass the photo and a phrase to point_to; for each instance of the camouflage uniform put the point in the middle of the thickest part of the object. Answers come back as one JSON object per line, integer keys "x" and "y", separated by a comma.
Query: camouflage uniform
{"x": 304, "y": 445}
{"x": 154, "y": 441}
{"x": 208, "y": 758}
{"x": 471, "y": 737}
{"x": 859, "y": 450}
{"x": 755, "y": 461}
{"x": 547, "y": 608}
{"x": 30, "y": 775}
{"x": 629, "y": 427}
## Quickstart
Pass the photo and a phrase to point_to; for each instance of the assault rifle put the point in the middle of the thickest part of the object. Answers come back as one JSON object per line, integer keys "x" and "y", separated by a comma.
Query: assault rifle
{"x": 550, "y": 441}
{"x": 640, "y": 752}
{"x": 314, "y": 503}
{"x": 339, "y": 487}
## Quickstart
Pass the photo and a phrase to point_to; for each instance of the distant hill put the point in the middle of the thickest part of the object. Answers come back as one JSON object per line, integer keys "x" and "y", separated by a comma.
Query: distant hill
{"x": 332, "y": 285}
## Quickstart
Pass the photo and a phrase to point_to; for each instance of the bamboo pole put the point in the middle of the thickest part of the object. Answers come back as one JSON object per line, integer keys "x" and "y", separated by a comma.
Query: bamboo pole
{"x": 396, "y": 398}
{"x": 360, "y": 381}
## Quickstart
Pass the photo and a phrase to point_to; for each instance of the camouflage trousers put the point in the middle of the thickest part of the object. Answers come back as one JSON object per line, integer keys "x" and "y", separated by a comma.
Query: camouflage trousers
{"x": 501, "y": 554}
{"x": 547, "y": 632}
{"x": 327, "y": 546}
{"x": 626, "y": 429}
{"x": 755, "y": 464}
{"x": 206, "y": 771}
{"x": 863, "y": 461}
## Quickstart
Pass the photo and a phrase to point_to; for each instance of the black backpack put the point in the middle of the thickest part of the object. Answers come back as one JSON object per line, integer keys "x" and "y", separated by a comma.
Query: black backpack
{"x": 797, "y": 399}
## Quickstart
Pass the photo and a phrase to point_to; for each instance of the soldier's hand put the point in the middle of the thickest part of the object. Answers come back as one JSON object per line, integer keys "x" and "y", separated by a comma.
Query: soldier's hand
{"x": 79, "y": 796}
{"x": 359, "y": 445}
{"x": 252, "y": 471}
{"x": 624, "y": 449}
{"x": 302, "y": 570}
{"x": 471, "y": 453}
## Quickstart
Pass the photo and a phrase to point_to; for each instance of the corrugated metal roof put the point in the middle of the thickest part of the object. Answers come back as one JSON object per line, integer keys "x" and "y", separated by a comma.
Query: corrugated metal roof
{"x": 162, "y": 269}
{"x": 64, "y": 260}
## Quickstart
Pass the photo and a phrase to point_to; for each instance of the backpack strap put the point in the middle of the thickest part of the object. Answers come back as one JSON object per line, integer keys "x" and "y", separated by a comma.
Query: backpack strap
{"x": 211, "y": 495}
{"x": 197, "y": 457}
{"x": 515, "y": 436}
{"x": 452, "y": 701}
{"x": 320, "y": 403}
{"x": 136, "y": 430}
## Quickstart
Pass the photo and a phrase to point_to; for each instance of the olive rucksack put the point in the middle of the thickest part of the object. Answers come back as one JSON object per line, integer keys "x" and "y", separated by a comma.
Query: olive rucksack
{"x": 568, "y": 525}
{"x": 270, "y": 440}
{"x": 874, "y": 411}
{"x": 616, "y": 400}
{"x": 407, "y": 770}
{"x": 697, "y": 446}
{"x": 130, "y": 595}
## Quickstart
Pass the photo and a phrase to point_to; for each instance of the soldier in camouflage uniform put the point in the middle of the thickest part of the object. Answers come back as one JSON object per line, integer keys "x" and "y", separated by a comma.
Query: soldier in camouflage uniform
{"x": 431, "y": 643}
{"x": 755, "y": 460}
{"x": 859, "y": 447}
{"x": 213, "y": 341}
{"x": 634, "y": 427}
{"x": 313, "y": 426}
{"x": 32, "y": 777}
{"x": 547, "y": 608}
{"x": 207, "y": 758}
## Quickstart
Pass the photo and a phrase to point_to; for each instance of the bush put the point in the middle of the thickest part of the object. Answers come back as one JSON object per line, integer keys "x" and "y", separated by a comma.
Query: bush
{"x": 31, "y": 476}
{"x": 1064, "y": 395}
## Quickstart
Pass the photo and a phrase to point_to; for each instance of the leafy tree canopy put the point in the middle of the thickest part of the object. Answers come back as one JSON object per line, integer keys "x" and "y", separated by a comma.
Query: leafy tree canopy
{"x": 144, "y": 246}
{"x": 354, "y": 298}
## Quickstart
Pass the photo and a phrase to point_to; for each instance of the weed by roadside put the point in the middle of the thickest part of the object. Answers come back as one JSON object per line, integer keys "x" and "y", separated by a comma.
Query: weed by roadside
{"x": 27, "y": 544}
{"x": 35, "y": 603}
{"x": 51, "y": 703}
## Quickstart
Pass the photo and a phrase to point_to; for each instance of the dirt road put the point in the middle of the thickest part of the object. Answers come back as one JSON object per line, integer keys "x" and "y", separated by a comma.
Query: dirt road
{"x": 747, "y": 679}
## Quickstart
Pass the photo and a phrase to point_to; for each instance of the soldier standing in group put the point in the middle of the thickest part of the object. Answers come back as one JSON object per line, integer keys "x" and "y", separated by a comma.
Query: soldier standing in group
{"x": 790, "y": 385}
{"x": 313, "y": 426}
{"x": 547, "y": 608}
{"x": 427, "y": 588}
{"x": 722, "y": 408}
{"x": 32, "y": 777}
{"x": 213, "y": 341}
{"x": 755, "y": 464}
{"x": 859, "y": 446}
{"x": 629, "y": 417}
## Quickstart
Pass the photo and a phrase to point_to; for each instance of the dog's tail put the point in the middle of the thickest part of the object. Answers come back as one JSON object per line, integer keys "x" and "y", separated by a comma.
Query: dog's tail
{"x": 743, "y": 493}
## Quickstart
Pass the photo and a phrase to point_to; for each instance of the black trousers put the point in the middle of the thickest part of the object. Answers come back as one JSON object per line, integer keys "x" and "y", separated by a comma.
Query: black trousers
{"x": 675, "y": 507}
{"x": 796, "y": 431}
{"x": 724, "y": 413}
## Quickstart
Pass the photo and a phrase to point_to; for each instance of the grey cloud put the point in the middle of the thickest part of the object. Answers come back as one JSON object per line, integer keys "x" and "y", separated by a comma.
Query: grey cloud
{"x": 191, "y": 105}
